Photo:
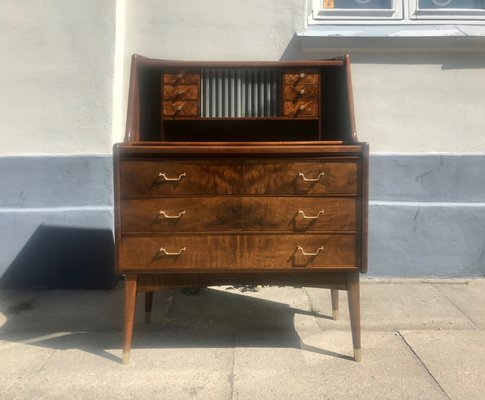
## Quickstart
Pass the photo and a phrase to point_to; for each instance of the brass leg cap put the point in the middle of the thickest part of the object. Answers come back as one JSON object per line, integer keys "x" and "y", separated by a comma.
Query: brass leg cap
{"x": 335, "y": 315}
{"x": 126, "y": 357}
{"x": 358, "y": 355}
{"x": 148, "y": 317}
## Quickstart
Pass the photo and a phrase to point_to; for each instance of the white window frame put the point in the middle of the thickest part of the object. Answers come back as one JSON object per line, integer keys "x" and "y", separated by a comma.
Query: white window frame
{"x": 415, "y": 13}
{"x": 319, "y": 13}
{"x": 405, "y": 12}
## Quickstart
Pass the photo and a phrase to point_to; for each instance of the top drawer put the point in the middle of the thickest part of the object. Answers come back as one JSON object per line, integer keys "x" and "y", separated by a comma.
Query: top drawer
{"x": 223, "y": 176}
{"x": 181, "y": 78}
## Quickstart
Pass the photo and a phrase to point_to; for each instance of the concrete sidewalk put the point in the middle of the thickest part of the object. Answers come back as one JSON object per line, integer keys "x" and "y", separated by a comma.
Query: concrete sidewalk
{"x": 421, "y": 340}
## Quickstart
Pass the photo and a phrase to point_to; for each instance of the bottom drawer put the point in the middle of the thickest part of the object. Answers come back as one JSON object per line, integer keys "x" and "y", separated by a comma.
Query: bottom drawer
{"x": 247, "y": 252}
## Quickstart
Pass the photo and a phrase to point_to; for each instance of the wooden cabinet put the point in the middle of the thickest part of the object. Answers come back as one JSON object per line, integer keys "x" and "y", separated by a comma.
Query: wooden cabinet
{"x": 240, "y": 173}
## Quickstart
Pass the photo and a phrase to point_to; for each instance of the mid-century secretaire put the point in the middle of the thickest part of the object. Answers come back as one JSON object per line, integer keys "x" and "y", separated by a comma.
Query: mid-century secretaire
{"x": 240, "y": 173}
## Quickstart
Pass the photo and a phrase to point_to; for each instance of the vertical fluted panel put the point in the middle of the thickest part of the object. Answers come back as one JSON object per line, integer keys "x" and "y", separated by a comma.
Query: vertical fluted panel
{"x": 236, "y": 93}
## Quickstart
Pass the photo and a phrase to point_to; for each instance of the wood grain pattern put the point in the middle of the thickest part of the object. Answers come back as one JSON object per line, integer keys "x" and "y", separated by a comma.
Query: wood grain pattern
{"x": 181, "y": 77}
{"x": 180, "y": 92}
{"x": 249, "y": 176}
{"x": 237, "y": 252}
{"x": 238, "y": 213}
{"x": 301, "y": 76}
{"x": 300, "y": 108}
{"x": 180, "y": 108}
{"x": 300, "y": 92}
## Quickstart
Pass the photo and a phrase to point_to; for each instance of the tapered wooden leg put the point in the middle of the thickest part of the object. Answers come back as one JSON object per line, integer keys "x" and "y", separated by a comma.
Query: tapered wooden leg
{"x": 148, "y": 307}
{"x": 334, "y": 293}
{"x": 130, "y": 302}
{"x": 353, "y": 288}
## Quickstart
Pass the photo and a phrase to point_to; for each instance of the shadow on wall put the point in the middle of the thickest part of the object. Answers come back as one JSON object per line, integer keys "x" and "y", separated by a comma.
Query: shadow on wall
{"x": 63, "y": 258}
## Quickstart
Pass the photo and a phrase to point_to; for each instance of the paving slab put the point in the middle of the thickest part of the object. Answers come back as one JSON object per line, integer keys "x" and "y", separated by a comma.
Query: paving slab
{"x": 174, "y": 365}
{"x": 57, "y": 310}
{"x": 455, "y": 359}
{"x": 388, "y": 306}
{"x": 468, "y": 297}
{"x": 230, "y": 310}
{"x": 273, "y": 366}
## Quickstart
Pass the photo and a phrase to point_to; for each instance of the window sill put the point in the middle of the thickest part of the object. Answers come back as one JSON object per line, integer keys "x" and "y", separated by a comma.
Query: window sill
{"x": 394, "y": 31}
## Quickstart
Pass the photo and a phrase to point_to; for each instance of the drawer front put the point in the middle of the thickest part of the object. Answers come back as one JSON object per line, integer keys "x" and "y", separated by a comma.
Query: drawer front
{"x": 275, "y": 177}
{"x": 256, "y": 252}
{"x": 300, "y": 77}
{"x": 300, "y": 108}
{"x": 287, "y": 214}
{"x": 300, "y": 92}
{"x": 180, "y": 108}
{"x": 181, "y": 78}
{"x": 180, "y": 92}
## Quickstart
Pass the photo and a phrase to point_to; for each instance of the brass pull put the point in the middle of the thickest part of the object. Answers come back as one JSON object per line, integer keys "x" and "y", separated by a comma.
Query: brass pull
{"x": 180, "y": 76}
{"x": 302, "y": 91}
{"x": 312, "y": 216}
{"x": 180, "y": 92}
{"x": 180, "y": 108}
{"x": 310, "y": 254}
{"x": 302, "y": 107}
{"x": 302, "y": 75}
{"x": 167, "y": 253}
{"x": 162, "y": 175}
{"x": 311, "y": 179}
{"x": 179, "y": 215}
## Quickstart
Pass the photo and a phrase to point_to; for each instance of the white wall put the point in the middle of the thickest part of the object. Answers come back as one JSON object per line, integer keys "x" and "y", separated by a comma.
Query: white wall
{"x": 56, "y": 76}
{"x": 56, "y": 84}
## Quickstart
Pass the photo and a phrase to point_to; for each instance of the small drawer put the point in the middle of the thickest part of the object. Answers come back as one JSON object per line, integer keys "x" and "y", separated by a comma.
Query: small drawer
{"x": 300, "y": 92}
{"x": 181, "y": 78}
{"x": 300, "y": 108}
{"x": 300, "y": 77}
{"x": 180, "y": 109}
{"x": 180, "y": 92}
{"x": 229, "y": 252}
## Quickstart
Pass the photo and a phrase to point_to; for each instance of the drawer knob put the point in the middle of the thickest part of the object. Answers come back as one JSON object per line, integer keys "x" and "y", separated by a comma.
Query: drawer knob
{"x": 162, "y": 175}
{"x": 165, "y": 215}
{"x": 302, "y": 91}
{"x": 310, "y": 254}
{"x": 302, "y": 75}
{"x": 180, "y": 92}
{"x": 167, "y": 253}
{"x": 179, "y": 76}
{"x": 310, "y": 216}
{"x": 302, "y": 175}
{"x": 180, "y": 108}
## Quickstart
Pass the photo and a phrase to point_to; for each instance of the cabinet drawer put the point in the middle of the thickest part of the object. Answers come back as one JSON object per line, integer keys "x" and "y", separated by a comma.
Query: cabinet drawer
{"x": 212, "y": 176}
{"x": 300, "y": 77}
{"x": 300, "y": 108}
{"x": 181, "y": 78}
{"x": 300, "y": 92}
{"x": 222, "y": 251}
{"x": 180, "y": 92}
{"x": 180, "y": 108}
{"x": 287, "y": 214}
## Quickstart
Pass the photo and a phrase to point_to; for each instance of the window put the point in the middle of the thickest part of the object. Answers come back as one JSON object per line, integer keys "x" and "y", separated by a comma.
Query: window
{"x": 406, "y": 11}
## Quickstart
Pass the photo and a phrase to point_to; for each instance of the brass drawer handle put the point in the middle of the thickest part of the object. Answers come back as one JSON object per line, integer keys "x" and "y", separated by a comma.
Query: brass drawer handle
{"x": 312, "y": 216}
{"x": 162, "y": 175}
{"x": 311, "y": 179}
{"x": 310, "y": 254}
{"x": 162, "y": 212}
{"x": 167, "y": 253}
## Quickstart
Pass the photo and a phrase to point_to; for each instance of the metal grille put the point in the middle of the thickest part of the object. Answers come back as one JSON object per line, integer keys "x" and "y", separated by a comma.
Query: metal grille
{"x": 227, "y": 93}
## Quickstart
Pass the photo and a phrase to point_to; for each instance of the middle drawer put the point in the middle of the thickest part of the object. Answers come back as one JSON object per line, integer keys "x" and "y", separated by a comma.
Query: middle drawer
{"x": 244, "y": 213}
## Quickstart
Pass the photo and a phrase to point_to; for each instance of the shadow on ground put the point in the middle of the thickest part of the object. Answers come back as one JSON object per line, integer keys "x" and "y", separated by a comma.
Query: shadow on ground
{"x": 215, "y": 318}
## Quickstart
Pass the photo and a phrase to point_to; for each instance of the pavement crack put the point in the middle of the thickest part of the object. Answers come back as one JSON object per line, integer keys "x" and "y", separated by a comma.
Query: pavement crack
{"x": 231, "y": 372}
{"x": 458, "y": 308}
{"x": 423, "y": 364}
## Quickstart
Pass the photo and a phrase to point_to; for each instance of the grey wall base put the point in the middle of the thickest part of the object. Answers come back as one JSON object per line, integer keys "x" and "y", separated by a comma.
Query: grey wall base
{"x": 426, "y": 219}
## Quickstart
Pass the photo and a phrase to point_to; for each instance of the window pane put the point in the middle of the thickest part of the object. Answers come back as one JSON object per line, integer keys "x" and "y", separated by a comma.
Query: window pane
{"x": 457, "y": 4}
{"x": 358, "y": 4}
